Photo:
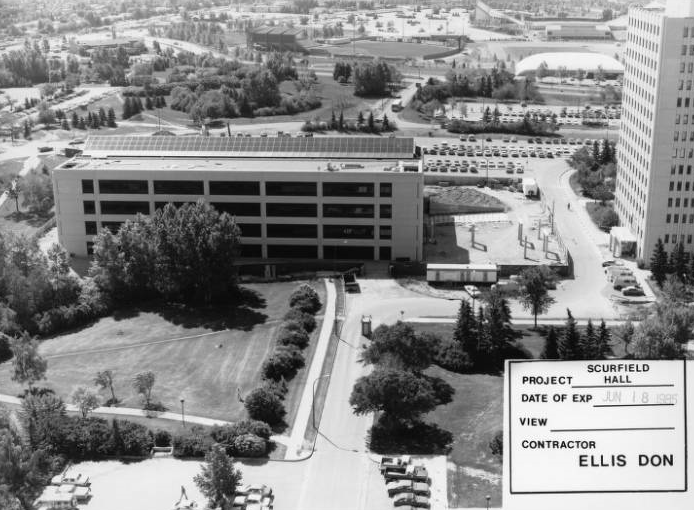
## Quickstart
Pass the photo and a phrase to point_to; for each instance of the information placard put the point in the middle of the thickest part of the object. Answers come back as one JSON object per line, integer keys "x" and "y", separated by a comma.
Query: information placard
{"x": 596, "y": 427}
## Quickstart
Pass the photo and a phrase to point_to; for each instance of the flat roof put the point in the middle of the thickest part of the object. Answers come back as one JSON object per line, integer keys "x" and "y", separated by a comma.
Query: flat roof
{"x": 573, "y": 61}
{"x": 230, "y": 165}
{"x": 460, "y": 267}
{"x": 317, "y": 147}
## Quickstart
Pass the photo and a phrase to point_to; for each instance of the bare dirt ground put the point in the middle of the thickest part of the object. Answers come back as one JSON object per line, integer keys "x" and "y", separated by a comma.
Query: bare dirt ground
{"x": 460, "y": 199}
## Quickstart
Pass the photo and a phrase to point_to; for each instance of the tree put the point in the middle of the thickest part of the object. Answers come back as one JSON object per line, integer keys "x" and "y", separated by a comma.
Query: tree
{"x": 218, "y": 479}
{"x": 400, "y": 347}
{"x": 111, "y": 118}
{"x": 570, "y": 344}
{"x": 659, "y": 263}
{"x": 550, "y": 350}
{"x": 143, "y": 384}
{"x": 85, "y": 400}
{"x": 265, "y": 405}
{"x": 496, "y": 445}
{"x": 38, "y": 194}
{"x": 21, "y": 473}
{"x": 27, "y": 364}
{"x": 625, "y": 333}
{"x": 466, "y": 329}
{"x": 401, "y": 396}
{"x": 370, "y": 122}
{"x": 679, "y": 262}
{"x": 589, "y": 343}
{"x": 104, "y": 380}
{"x": 14, "y": 191}
{"x": 604, "y": 345}
{"x": 46, "y": 115}
{"x": 534, "y": 294}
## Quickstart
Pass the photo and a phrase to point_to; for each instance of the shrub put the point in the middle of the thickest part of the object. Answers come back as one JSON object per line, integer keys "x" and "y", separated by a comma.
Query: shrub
{"x": 250, "y": 445}
{"x": 193, "y": 443}
{"x": 134, "y": 439}
{"x": 162, "y": 438}
{"x": 279, "y": 388}
{"x": 307, "y": 321}
{"x": 297, "y": 337}
{"x": 283, "y": 364}
{"x": 84, "y": 438}
{"x": 496, "y": 445}
{"x": 5, "y": 351}
{"x": 451, "y": 356}
{"x": 306, "y": 299}
{"x": 262, "y": 404}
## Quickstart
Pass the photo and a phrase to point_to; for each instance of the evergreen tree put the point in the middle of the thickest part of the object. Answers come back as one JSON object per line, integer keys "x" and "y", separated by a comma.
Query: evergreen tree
{"x": 162, "y": 101}
{"x": 111, "y": 118}
{"x": 64, "y": 124}
{"x": 604, "y": 347}
{"x": 596, "y": 153}
{"x": 370, "y": 122}
{"x": 607, "y": 155}
{"x": 75, "y": 120}
{"x": 148, "y": 103}
{"x": 659, "y": 263}
{"x": 102, "y": 116}
{"x": 486, "y": 116}
{"x": 139, "y": 106}
{"x": 550, "y": 350}
{"x": 386, "y": 123}
{"x": 569, "y": 347}
{"x": 679, "y": 262}
{"x": 360, "y": 118}
{"x": 127, "y": 108}
{"x": 341, "y": 121}
{"x": 589, "y": 342}
{"x": 466, "y": 330}
{"x": 27, "y": 129}
{"x": 89, "y": 120}
{"x": 81, "y": 124}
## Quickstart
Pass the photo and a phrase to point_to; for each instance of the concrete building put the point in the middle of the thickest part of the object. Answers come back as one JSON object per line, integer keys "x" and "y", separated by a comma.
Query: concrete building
{"x": 573, "y": 31}
{"x": 570, "y": 63}
{"x": 655, "y": 185}
{"x": 294, "y": 198}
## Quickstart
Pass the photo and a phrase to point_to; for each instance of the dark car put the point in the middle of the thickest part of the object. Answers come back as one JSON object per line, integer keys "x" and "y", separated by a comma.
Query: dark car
{"x": 407, "y": 498}
{"x": 633, "y": 291}
{"x": 45, "y": 149}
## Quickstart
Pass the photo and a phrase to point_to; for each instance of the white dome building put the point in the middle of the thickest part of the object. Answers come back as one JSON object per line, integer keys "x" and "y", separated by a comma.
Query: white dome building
{"x": 589, "y": 63}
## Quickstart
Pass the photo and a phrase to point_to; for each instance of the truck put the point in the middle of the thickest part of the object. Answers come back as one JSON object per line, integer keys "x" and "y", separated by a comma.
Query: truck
{"x": 530, "y": 188}
{"x": 396, "y": 105}
{"x": 416, "y": 473}
{"x": 394, "y": 463}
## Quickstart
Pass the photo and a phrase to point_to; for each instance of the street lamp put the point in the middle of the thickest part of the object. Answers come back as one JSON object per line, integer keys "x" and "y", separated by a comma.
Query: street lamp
{"x": 183, "y": 415}
{"x": 488, "y": 497}
{"x": 313, "y": 399}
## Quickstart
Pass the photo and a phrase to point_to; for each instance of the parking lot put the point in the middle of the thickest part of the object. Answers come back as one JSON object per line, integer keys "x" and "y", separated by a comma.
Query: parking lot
{"x": 500, "y": 157}
{"x": 566, "y": 116}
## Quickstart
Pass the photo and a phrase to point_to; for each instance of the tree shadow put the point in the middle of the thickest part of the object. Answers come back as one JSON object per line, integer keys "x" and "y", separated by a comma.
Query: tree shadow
{"x": 418, "y": 438}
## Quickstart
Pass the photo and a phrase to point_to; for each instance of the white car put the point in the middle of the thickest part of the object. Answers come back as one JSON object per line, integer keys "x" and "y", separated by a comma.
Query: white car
{"x": 473, "y": 291}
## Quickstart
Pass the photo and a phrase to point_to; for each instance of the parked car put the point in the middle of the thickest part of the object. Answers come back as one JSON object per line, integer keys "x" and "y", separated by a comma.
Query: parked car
{"x": 418, "y": 488}
{"x": 407, "y": 498}
{"x": 472, "y": 289}
{"x": 612, "y": 262}
{"x": 624, "y": 281}
{"x": 417, "y": 473}
{"x": 633, "y": 291}
{"x": 45, "y": 149}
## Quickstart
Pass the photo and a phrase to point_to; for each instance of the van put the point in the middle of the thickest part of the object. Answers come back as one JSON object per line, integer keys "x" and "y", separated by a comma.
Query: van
{"x": 624, "y": 281}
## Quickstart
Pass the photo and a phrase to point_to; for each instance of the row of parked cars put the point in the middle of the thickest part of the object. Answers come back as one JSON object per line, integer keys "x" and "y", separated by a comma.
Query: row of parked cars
{"x": 406, "y": 483}
{"x": 622, "y": 278}
{"x": 471, "y": 166}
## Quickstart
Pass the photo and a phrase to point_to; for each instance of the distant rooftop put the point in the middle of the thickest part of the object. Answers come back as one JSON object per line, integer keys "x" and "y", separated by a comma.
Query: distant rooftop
{"x": 323, "y": 147}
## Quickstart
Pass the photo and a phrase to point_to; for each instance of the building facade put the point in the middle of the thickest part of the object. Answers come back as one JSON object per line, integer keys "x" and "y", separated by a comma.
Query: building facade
{"x": 286, "y": 208}
{"x": 654, "y": 195}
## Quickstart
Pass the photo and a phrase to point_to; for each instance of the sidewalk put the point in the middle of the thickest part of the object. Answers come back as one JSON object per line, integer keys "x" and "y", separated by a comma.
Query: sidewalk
{"x": 129, "y": 411}
{"x": 296, "y": 439}
{"x": 541, "y": 321}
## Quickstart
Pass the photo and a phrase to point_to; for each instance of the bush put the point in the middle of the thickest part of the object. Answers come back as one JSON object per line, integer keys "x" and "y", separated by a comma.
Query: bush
{"x": 283, "y": 364}
{"x": 132, "y": 438}
{"x": 451, "y": 356}
{"x": 305, "y": 299}
{"x": 307, "y": 321}
{"x": 162, "y": 438}
{"x": 279, "y": 388}
{"x": 296, "y": 337}
{"x": 5, "y": 351}
{"x": 86, "y": 438}
{"x": 262, "y": 404}
{"x": 496, "y": 445}
{"x": 193, "y": 443}
{"x": 250, "y": 445}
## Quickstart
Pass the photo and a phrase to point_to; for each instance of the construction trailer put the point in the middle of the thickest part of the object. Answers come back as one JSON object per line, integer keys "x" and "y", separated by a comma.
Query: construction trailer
{"x": 462, "y": 273}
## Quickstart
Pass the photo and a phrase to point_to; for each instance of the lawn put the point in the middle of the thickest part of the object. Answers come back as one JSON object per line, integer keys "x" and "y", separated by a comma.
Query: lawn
{"x": 389, "y": 49}
{"x": 204, "y": 357}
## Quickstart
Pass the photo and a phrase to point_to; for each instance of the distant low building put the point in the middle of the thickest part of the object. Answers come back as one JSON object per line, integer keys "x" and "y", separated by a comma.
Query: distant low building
{"x": 278, "y": 39}
{"x": 570, "y": 63}
{"x": 132, "y": 45}
{"x": 566, "y": 31}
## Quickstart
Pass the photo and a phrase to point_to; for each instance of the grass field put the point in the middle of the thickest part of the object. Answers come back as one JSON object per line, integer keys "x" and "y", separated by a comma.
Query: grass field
{"x": 204, "y": 357}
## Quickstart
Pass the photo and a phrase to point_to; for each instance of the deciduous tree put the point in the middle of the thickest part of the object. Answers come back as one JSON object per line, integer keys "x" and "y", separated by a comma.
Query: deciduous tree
{"x": 218, "y": 479}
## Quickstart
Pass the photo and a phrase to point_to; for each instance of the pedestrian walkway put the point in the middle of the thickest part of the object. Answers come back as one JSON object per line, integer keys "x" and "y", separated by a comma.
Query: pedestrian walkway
{"x": 303, "y": 414}
{"x": 129, "y": 411}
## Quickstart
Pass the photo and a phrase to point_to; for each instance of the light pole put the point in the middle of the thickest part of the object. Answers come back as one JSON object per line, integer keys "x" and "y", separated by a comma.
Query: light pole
{"x": 183, "y": 414}
{"x": 488, "y": 497}
{"x": 313, "y": 399}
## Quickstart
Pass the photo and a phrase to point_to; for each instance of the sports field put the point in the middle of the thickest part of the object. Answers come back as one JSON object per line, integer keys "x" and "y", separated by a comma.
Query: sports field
{"x": 202, "y": 356}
